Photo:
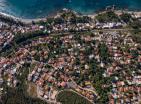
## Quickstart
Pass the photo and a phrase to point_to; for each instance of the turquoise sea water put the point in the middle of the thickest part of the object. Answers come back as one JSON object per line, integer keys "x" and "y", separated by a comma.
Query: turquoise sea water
{"x": 40, "y": 8}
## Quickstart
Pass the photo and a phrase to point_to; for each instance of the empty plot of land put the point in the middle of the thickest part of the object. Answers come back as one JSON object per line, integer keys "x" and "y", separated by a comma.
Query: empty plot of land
{"x": 70, "y": 97}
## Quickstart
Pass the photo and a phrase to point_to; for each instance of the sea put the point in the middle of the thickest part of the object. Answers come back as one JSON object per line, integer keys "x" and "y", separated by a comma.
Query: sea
{"x": 32, "y": 9}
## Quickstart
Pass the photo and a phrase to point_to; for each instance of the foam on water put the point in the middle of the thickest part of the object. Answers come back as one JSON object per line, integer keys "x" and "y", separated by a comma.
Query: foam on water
{"x": 40, "y": 8}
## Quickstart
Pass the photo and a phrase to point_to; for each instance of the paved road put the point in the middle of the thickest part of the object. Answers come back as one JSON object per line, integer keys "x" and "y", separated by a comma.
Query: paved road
{"x": 94, "y": 30}
{"x": 112, "y": 30}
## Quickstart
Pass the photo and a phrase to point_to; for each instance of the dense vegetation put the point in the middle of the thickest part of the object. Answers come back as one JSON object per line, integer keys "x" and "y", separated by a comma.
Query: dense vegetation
{"x": 108, "y": 16}
{"x": 135, "y": 24}
{"x": 65, "y": 17}
{"x": 69, "y": 97}
{"x": 136, "y": 35}
{"x": 126, "y": 17}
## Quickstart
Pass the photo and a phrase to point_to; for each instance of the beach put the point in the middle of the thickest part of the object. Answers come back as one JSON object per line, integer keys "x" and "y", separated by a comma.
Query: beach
{"x": 21, "y": 19}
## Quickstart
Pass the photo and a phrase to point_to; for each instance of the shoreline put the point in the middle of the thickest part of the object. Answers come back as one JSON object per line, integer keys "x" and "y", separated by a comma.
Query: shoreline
{"x": 28, "y": 21}
{"x": 20, "y": 19}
